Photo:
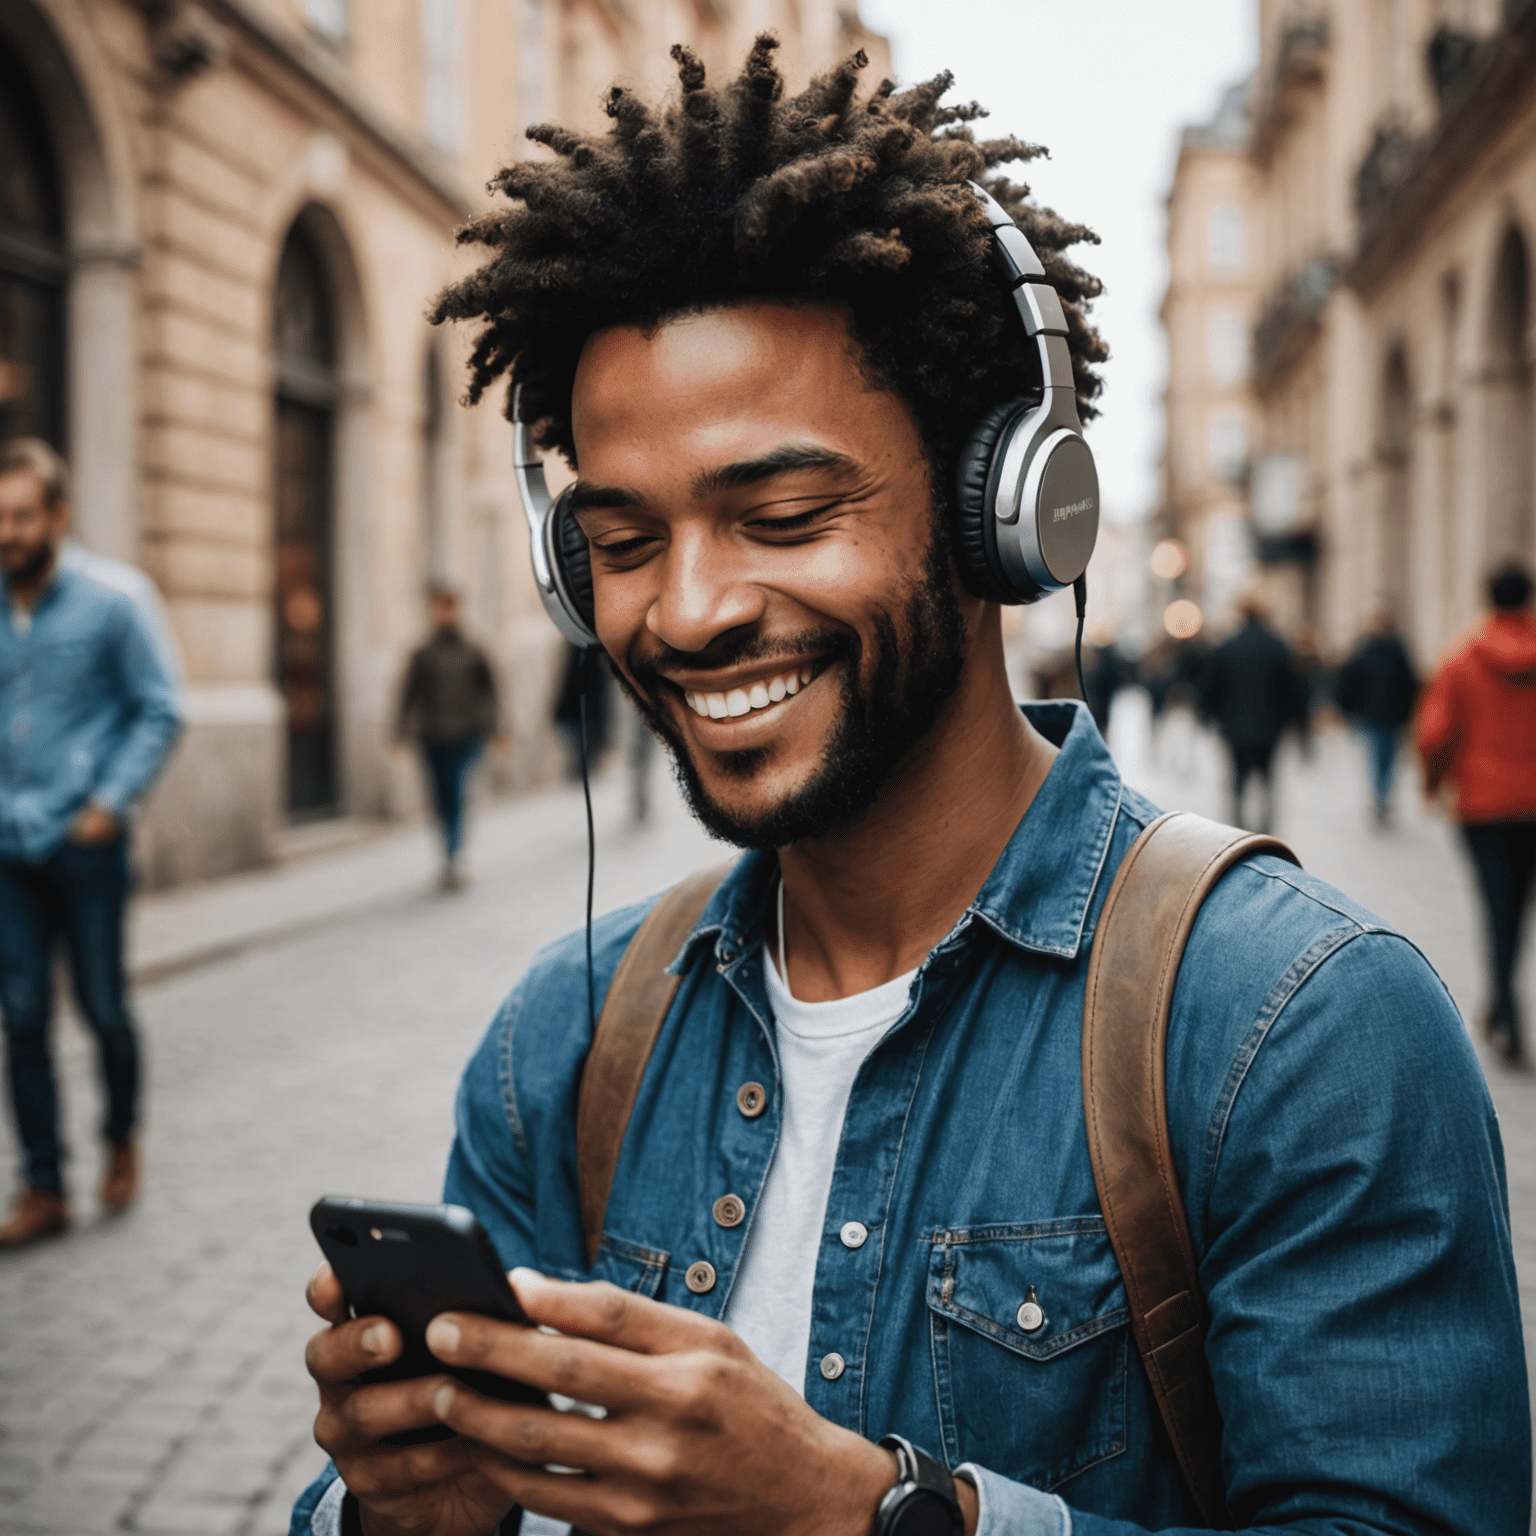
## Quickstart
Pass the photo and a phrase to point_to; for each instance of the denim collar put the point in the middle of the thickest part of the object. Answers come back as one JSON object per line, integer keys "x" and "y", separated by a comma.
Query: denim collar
{"x": 1040, "y": 893}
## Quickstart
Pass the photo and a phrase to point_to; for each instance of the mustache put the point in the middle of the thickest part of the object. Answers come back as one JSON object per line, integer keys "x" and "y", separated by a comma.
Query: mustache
{"x": 736, "y": 647}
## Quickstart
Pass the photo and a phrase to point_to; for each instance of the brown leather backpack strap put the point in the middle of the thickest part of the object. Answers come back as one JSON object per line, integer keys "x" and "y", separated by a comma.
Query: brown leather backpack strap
{"x": 638, "y": 999}
{"x": 1146, "y": 922}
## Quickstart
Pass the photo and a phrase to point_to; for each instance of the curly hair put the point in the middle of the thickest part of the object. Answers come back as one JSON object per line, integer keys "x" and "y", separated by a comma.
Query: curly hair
{"x": 723, "y": 196}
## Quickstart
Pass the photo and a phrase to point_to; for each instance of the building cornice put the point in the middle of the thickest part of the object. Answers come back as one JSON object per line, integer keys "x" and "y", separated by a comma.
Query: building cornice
{"x": 319, "y": 69}
{"x": 1475, "y": 113}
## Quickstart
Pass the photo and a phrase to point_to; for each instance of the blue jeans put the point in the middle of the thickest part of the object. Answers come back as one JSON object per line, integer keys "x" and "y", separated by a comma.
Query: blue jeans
{"x": 1504, "y": 856}
{"x": 76, "y": 894}
{"x": 448, "y": 765}
{"x": 1381, "y": 749}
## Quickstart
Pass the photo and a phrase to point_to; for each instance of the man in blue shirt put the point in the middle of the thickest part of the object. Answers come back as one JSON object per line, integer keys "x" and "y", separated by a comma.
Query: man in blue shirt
{"x": 762, "y": 331}
{"x": 88, "y": 714}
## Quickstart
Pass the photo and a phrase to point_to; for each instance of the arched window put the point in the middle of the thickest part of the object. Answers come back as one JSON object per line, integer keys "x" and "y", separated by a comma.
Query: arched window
{"x": 304, "y": 662}
{"x": 32, "y": 268}
{"x": 1509, "y": 402}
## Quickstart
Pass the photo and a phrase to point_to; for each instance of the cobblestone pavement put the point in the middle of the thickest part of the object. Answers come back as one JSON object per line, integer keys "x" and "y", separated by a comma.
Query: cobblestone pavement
{"x": 150, "y": 1365}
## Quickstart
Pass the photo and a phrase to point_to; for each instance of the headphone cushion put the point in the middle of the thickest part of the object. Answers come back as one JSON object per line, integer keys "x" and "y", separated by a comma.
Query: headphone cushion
{"x": 975, "y": 486}
{"x": 575, "y": 557}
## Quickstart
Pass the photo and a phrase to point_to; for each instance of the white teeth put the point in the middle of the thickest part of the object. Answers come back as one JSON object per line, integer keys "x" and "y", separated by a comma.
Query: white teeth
{"x": 742, "y": 701}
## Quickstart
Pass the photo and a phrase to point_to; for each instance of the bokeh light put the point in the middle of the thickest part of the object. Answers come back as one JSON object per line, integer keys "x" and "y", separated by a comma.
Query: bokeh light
{"x": 1183, "y": 619}
{"x": 1169, "y": 560}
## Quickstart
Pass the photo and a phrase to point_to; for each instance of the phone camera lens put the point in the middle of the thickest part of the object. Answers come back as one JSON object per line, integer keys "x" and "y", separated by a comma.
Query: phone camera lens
{"x": 342, "y": 1234}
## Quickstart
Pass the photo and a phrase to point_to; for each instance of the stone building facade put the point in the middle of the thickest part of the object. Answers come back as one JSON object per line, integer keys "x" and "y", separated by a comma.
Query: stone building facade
{"x": 1207, "y": 314}
{"x": 1393, "y": 151}
{"x": 221, "y": 222}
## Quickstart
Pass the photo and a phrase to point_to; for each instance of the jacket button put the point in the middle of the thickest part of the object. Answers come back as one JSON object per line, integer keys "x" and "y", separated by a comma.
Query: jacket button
{"x": 1031, "y": 1316}
{"x": 751, "y": 1099}
{"x": 700, "y": 1277}
{"x": 833, "y": 1366}
{"x": 729, "y": 1210}
{"x": 854, "y": 1234}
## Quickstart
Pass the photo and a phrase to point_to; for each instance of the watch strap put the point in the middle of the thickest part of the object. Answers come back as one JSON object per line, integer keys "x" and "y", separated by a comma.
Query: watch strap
{"x": 917, "y": 1473}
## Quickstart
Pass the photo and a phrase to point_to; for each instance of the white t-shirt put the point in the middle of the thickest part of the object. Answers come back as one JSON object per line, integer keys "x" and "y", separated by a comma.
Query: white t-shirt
{"x": 821, "y": 1047}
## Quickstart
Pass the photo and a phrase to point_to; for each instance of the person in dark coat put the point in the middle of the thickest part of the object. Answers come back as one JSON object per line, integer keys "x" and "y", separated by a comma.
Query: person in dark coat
{"x": 448, "y": 707}
{"x": 1251, "y": 691}
{"x": 1376, "y": 692}
{"x": 583, "y": 678}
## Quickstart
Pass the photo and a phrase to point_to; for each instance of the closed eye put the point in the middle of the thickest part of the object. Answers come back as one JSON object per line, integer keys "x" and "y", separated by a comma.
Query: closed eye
{"x": 622, "y": 548}
{"x": 797, "y": 522}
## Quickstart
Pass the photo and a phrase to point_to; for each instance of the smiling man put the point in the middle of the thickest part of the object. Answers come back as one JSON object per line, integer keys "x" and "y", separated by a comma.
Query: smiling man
{"x": 855, "y": 1198}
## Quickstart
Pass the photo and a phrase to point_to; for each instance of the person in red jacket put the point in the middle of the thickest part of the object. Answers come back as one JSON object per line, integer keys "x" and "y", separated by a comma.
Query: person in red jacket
{"x": 1477, "y": 726}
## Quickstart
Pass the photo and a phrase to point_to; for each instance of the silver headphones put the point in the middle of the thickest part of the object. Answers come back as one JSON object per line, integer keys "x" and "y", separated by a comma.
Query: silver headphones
{"x": 1026, "y": 490}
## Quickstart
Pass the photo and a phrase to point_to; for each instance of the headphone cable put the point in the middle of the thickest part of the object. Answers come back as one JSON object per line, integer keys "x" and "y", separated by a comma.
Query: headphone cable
{"x": 586, "y": 791}
{"x": 1080, "y": 599}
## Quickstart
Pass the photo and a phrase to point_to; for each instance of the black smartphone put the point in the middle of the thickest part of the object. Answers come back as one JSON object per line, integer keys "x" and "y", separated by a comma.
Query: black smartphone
{"x": 408, "y": 1263}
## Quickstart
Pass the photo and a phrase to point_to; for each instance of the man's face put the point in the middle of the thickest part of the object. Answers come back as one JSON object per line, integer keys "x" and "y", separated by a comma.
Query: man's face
{"x": 445, "y": 612}
{"x": 30, "y": 529}
{"x": 769, "y": 574}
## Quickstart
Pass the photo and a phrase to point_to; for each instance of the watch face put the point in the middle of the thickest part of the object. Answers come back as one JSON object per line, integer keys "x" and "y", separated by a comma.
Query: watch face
{"x": 923, "y": 1513}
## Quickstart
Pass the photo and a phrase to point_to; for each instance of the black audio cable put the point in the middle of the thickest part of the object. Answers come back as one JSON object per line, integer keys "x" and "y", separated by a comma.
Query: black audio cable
{"x": 586, "y": 791}
{"x": 1080, "y": 598}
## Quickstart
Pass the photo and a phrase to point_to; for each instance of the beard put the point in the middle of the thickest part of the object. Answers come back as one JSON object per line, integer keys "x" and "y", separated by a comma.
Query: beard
{"x": 916, "y": 669}
{"x": 32, "y": 565}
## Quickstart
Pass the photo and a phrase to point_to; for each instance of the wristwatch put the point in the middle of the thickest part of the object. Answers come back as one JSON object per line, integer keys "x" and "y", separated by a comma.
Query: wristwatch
{"x": 922, "y": 1502}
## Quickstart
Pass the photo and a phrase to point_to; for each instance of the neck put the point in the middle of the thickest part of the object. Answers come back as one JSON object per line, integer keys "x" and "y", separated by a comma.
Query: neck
{"x": 867, "y": 903}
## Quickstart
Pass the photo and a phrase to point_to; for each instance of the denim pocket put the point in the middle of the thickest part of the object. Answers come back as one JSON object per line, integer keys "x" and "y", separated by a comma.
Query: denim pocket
{"x": 1030, "y": 1339}
{"x": 629, "y": 1266}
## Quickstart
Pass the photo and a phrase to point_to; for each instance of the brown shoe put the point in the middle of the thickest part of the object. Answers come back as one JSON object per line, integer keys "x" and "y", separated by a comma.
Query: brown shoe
{"x": 122, "y": 1181}
{"x": 37, "y": 1213}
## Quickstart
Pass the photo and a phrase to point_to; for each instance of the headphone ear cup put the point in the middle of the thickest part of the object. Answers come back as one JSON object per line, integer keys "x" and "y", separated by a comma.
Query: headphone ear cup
{"x": 976, "y": 475}
{"x": 574, "y": 555}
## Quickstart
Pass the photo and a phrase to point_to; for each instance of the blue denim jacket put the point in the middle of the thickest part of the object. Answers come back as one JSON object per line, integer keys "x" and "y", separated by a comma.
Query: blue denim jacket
{"x": 1335, "y": 1144}
{"x": 88, "y": 710}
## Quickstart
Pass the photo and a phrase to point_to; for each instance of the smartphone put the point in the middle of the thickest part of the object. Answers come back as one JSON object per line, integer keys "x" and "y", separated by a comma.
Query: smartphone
{"x": 408, "y": 1263}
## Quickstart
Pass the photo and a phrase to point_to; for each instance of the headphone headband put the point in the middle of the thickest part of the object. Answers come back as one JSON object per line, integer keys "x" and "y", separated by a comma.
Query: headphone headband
{"x": 1027, "y": 491}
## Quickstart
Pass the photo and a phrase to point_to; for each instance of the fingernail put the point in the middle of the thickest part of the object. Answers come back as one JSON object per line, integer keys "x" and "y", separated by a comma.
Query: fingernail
{"x": 442, "y": 1400}
{"x": 375, "y": 1339}
{"x": 443, "y": 1337}
{"x": 521, "y": 1277}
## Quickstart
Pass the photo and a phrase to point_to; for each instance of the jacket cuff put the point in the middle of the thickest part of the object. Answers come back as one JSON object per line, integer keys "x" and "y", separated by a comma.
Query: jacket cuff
{"x": 326, "y": 1519}
{"x": 115, "y": 799}
{"x": 1007, "y": 1508}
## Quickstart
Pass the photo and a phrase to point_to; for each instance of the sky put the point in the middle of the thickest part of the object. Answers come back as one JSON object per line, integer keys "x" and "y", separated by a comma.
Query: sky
{"x": 1106, "y": 85}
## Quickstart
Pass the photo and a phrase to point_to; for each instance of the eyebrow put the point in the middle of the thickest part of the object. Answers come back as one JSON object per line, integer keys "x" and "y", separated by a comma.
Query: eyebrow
{"x": 724, "y": 477}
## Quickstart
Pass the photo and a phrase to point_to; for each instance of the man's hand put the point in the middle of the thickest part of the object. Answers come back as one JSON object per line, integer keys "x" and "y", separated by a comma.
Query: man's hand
{"x": 700, "y": 1436}
{"x": 403, "y": 1490}
{"x": 94, "y": 825}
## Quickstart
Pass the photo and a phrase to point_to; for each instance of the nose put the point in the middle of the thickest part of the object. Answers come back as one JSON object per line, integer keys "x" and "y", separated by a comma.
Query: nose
{"x": 704, "y": 593}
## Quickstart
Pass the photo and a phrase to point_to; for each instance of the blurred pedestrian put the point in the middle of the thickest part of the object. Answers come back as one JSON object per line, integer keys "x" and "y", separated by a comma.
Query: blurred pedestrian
{"x": 1252, "y": 691}
{"x": 584, "y": 676}
{"x": 1108, "y": 671}
{"x": 88, "y": 714}
{"x": 448, "y": 707}
{"x": 640, "y": 755}
{"x": 1477, "y": 728}
{"x": 1313, "y": 672}
{"x": 1376, "y": 692}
